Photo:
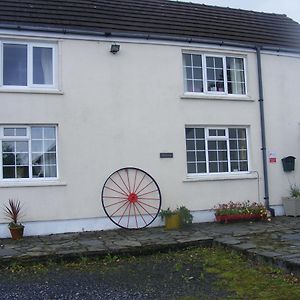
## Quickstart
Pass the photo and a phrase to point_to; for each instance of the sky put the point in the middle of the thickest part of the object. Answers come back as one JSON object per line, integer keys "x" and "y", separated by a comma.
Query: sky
{"x": 289, "y": 7}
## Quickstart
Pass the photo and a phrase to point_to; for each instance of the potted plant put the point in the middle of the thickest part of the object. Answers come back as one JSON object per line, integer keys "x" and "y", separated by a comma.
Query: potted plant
{"x": 240, "y": 211}
{"x": 291, "y": 204}
{"x": 175, "y": 219}
{"x": 13, "y": 213}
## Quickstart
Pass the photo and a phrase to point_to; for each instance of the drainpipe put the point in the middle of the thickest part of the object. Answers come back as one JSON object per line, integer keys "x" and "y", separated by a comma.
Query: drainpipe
{"x": 263, "y": 132}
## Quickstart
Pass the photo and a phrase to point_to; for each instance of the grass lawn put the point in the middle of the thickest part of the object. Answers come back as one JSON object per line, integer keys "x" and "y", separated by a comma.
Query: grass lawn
{"x": 194, "y": 273}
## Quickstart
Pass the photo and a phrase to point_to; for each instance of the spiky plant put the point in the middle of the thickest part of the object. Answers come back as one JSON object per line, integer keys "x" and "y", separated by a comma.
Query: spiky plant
{"x": 12, "y": 212}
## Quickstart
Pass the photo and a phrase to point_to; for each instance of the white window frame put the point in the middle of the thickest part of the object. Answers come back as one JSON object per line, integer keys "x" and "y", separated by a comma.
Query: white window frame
{"x": 204, "y": 75}
{"x": 28, "y": 139}
{"x": 30, "y": 84}
{"x": 218, "y": 138}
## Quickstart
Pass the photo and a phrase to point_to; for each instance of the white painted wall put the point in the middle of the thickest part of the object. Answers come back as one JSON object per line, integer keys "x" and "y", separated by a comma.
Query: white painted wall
{"x": 124, "y": 109}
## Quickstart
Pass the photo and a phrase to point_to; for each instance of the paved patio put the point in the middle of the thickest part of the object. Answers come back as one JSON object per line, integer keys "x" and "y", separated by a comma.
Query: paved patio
{"x": 277, "y": 241}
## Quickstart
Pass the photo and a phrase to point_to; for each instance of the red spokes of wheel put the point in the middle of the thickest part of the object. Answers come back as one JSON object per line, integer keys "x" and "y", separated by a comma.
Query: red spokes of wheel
{"x": 131, "y": 198}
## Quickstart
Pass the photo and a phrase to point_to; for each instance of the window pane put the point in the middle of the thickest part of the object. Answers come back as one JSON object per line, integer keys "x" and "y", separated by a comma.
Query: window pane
{"x": 242, "y": 133}
{"x": 191, "y": 168}
{"x": 243, "y": 155}
{"x": 190, "y": 145}
{"x": 213, "y": 167}
{"x": 232, "y": 132}
{"x": 223, "y": 167}
{"x": 210, "y": 74}
{"x": 234, "y": 155}
{"x": 188, "y": 73}
{"x": 15, "y": 64}
{"x": 197, "y": 60}
{"x": 244, "y": 166}
{"x": 200, "y": 144}
{"x": 222, "y": 145}
{"x": 37, "y": 159}
{"x": 49, "y": 132}
{"x": 49, "y": 146}
{"x": 218, "y": 62}
{"x": 22, "y": 159}
{"x": 37, "y": 132}
{"x": 187, "y": 59}
{"x": 22, "y": 172}
{"x": 222, "y": 155}
{"x": 37, "y": 146}
{"x": 8, "y": 159}
{"x": 212, "y": 155}
{"x": 201, "y": 156}
{"x": 235, "y": 75}
{"x": 191, "y": 156}
{"x": 189, "y": 133}
{"x": 44, "y": 151}
{"x": 201, "y": 167}
{"x": 221, "y": 132}
{"x": 211, "y": 86}
{"x": 197, "y": 73}
{"x": 233, "y": 145}
{"x": 210, "y": 62}
{"x": 9, "y": 132}
{"x": 219, "y": 74}
{"x": 8, "y": 147}
{"x": 42, "y": 65}
{"x": 50, "y": 171}
{"x": 20, "y": 131}
{"x": 189, "y": 86}
{"x": 9, "y": 172}
{"x": 234, "y": 167}
{"x": 199, "y": 133}
{"x": 21, "y": 146}
{"x": 198, "y": 86}
{"x": 38, "y": 171}
{"x": 212, "y": 132}
{"x": 212, "y": 145}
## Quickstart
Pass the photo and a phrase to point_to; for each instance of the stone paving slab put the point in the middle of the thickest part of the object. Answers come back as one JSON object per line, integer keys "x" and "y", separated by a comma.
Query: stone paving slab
{"x": 277, "y": 242}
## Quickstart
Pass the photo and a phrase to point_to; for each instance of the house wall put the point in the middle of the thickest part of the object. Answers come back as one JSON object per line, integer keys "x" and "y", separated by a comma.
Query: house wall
{"x": 123, "y": 110}
{"x": 282, "y": 106}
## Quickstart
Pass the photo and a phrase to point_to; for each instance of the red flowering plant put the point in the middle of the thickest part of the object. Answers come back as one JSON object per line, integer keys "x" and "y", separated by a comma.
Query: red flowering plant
{"x": 240, "y": 208}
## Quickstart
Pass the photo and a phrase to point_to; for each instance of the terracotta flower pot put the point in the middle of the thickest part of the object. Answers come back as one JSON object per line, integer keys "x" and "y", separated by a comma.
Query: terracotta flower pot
{"x": 173, "y": 222}
{"x": 17, "y": 232}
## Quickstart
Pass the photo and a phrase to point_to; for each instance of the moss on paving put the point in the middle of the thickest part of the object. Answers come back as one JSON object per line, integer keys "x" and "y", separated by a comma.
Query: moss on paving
{"x": 195, "y": 272}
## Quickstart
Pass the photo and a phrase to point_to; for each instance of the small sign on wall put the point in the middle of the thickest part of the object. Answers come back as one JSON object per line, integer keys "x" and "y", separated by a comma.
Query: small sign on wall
{"x": 272, "y": 157}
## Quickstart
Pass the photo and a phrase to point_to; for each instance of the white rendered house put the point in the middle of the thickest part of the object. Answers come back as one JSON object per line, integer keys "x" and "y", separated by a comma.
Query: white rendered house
{"x": 182, "y": 83}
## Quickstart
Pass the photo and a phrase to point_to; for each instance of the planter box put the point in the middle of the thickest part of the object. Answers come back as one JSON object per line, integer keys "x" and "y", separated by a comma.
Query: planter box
{"x": 173, "y": 222}
{"x": 291, "y": 206}
{"x": 227, "y": 218}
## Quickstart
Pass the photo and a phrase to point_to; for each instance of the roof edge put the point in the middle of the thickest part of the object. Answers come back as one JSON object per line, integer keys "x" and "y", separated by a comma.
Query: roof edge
{"x": 148, "y": 37}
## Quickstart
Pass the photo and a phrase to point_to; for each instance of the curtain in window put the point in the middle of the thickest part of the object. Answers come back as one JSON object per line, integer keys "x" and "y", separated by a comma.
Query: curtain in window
{"x": 42, "y": 65}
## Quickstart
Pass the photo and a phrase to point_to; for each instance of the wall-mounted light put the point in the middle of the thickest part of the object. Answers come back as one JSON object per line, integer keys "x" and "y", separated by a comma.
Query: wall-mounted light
{"x": 114, "y": 48}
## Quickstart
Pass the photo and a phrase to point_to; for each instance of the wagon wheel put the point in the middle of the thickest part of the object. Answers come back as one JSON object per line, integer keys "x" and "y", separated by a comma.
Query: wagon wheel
{"x": 131, "y": 198}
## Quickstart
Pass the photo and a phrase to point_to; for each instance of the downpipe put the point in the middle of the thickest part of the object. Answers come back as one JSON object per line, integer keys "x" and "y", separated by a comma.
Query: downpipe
{"x": 263, "y": 132}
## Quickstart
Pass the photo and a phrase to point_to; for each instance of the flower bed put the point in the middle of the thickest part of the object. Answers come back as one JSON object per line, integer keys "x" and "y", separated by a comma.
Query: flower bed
{"x": 240, "y": 211}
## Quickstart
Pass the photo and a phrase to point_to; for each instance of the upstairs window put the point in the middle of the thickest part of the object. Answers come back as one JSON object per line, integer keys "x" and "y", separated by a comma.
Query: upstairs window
{"x": 27, "y": 65}
{"x": 216, "y": 150}
{"x": 215, "y": 74}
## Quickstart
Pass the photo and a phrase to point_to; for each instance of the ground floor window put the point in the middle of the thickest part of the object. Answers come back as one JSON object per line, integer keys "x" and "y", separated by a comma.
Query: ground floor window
{"x": 28, "y": 152}
{"x": 216, "y": 150}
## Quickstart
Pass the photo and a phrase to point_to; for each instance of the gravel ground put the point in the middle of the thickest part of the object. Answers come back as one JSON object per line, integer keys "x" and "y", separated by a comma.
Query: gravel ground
{"x": 161, "y": 276}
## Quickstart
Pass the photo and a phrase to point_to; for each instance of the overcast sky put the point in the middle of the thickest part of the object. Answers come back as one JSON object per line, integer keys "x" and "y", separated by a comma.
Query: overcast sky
{"x": 289, "y": 7}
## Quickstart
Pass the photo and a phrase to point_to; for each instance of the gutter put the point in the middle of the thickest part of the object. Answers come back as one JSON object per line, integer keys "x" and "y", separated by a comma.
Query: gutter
{"x": 263, "y": 132}
{"x": 145, "y": 36}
